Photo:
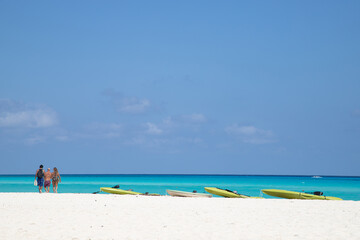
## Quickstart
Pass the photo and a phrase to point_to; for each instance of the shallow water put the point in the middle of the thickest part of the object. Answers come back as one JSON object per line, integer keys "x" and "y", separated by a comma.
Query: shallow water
{"x": 347, "y": 188}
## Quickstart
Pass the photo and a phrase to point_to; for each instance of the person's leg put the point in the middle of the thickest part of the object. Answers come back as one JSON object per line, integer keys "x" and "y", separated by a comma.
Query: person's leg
{"x": 48, "y": 183}
{"x": 41, "y": 184}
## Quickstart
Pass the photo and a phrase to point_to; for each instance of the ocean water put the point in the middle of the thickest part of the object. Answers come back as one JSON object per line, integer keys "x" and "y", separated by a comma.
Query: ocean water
{"x": 347, "y": 188}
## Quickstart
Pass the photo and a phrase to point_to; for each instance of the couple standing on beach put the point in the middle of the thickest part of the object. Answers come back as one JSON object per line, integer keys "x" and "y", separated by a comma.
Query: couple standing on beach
{"x": 44, "y": 179}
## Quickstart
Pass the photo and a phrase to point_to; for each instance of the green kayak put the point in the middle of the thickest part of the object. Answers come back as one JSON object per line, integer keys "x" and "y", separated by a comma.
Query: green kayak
{"x": 296, "y": 195}
{"x": 226, "y": 193}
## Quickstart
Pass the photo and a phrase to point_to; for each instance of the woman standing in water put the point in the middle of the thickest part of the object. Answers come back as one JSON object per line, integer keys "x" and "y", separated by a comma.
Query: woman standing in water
{"x": 55, "y": 179}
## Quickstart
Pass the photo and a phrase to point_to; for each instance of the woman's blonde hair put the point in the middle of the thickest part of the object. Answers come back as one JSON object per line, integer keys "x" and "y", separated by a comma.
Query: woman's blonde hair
{"x": 55, "y": 171}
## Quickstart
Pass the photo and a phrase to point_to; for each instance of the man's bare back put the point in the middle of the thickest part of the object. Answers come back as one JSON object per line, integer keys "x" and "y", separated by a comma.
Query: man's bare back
{"x": 47, "y": 182}
{"x": 47, "y": 175}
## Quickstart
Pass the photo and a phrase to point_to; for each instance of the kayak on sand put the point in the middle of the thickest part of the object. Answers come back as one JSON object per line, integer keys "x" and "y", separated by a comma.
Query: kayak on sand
{"x": 226, "y": 193}
{"x": 124, "y": 192}
{"x": 176, "y": 193}
{"x": 118, "y": 191}
{"x": 297, "y": 195}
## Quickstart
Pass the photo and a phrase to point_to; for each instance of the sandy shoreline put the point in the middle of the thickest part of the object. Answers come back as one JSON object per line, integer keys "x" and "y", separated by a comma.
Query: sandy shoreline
{"x": 94, "y": 216}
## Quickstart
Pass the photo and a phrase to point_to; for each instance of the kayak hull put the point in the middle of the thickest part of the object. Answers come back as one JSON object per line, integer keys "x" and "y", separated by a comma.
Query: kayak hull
{"x": 225, "y": 193}
{"x": 118, "y": 191}
{"x": 176, "y": 193}
{"x": 296, "y": 195}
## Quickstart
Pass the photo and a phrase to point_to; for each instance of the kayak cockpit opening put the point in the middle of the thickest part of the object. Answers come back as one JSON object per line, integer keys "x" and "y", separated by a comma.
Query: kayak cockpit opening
{"x": 318, "y": 193}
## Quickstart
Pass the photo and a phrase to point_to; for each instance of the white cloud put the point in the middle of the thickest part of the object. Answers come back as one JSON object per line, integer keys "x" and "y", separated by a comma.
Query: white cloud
{"x": 133, "y": 105}
{"x": 250, "y": 134}
{"x": 356, "y": 113}
{"x": 135, "y": 141}
{"x": 167, "y": 143}
{"x": 153, "y": 129}
{"x": 243, "y": 130}
{"x": 34, "y": 140}
{"x": 62, "y": 138}
{"x": 14, "y": 114}
{"x": 195, "y": 140}
{"x": 168, "y": 122}
{"x": 31, "y": 119}
{"x": 103, "y": 130}
{"x": 129, "y": 105}
{"x": 105, "y": 126}
{"x": 195, "y": 118}
{"x": 184, "y": 120}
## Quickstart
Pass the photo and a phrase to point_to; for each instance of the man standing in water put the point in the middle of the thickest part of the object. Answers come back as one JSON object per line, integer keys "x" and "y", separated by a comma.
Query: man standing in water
{"x": 47, "y": 180}
{"x": 40, "y": 177}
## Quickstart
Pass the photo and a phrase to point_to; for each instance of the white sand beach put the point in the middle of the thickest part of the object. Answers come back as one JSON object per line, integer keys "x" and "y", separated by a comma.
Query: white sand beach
{"x": 100, "y": 216}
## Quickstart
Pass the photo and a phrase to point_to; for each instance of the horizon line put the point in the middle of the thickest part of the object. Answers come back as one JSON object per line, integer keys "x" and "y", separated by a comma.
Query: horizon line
{"x": 184, "y": 174}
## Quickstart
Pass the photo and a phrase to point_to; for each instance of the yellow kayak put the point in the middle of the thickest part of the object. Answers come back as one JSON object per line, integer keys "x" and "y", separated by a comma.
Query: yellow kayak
{"x": 125, "y": 192}
{"x": 296, "y": 195}
{"x": 226, "y": 193}
{"x": 118, "y": 191}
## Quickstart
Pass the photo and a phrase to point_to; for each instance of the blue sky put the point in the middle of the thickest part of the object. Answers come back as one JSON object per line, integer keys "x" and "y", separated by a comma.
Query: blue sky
{"x": 234, "y": 87}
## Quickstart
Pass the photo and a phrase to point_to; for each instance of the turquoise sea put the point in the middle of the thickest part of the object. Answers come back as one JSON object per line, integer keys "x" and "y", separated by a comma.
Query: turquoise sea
{"x": 347, "y": 188}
